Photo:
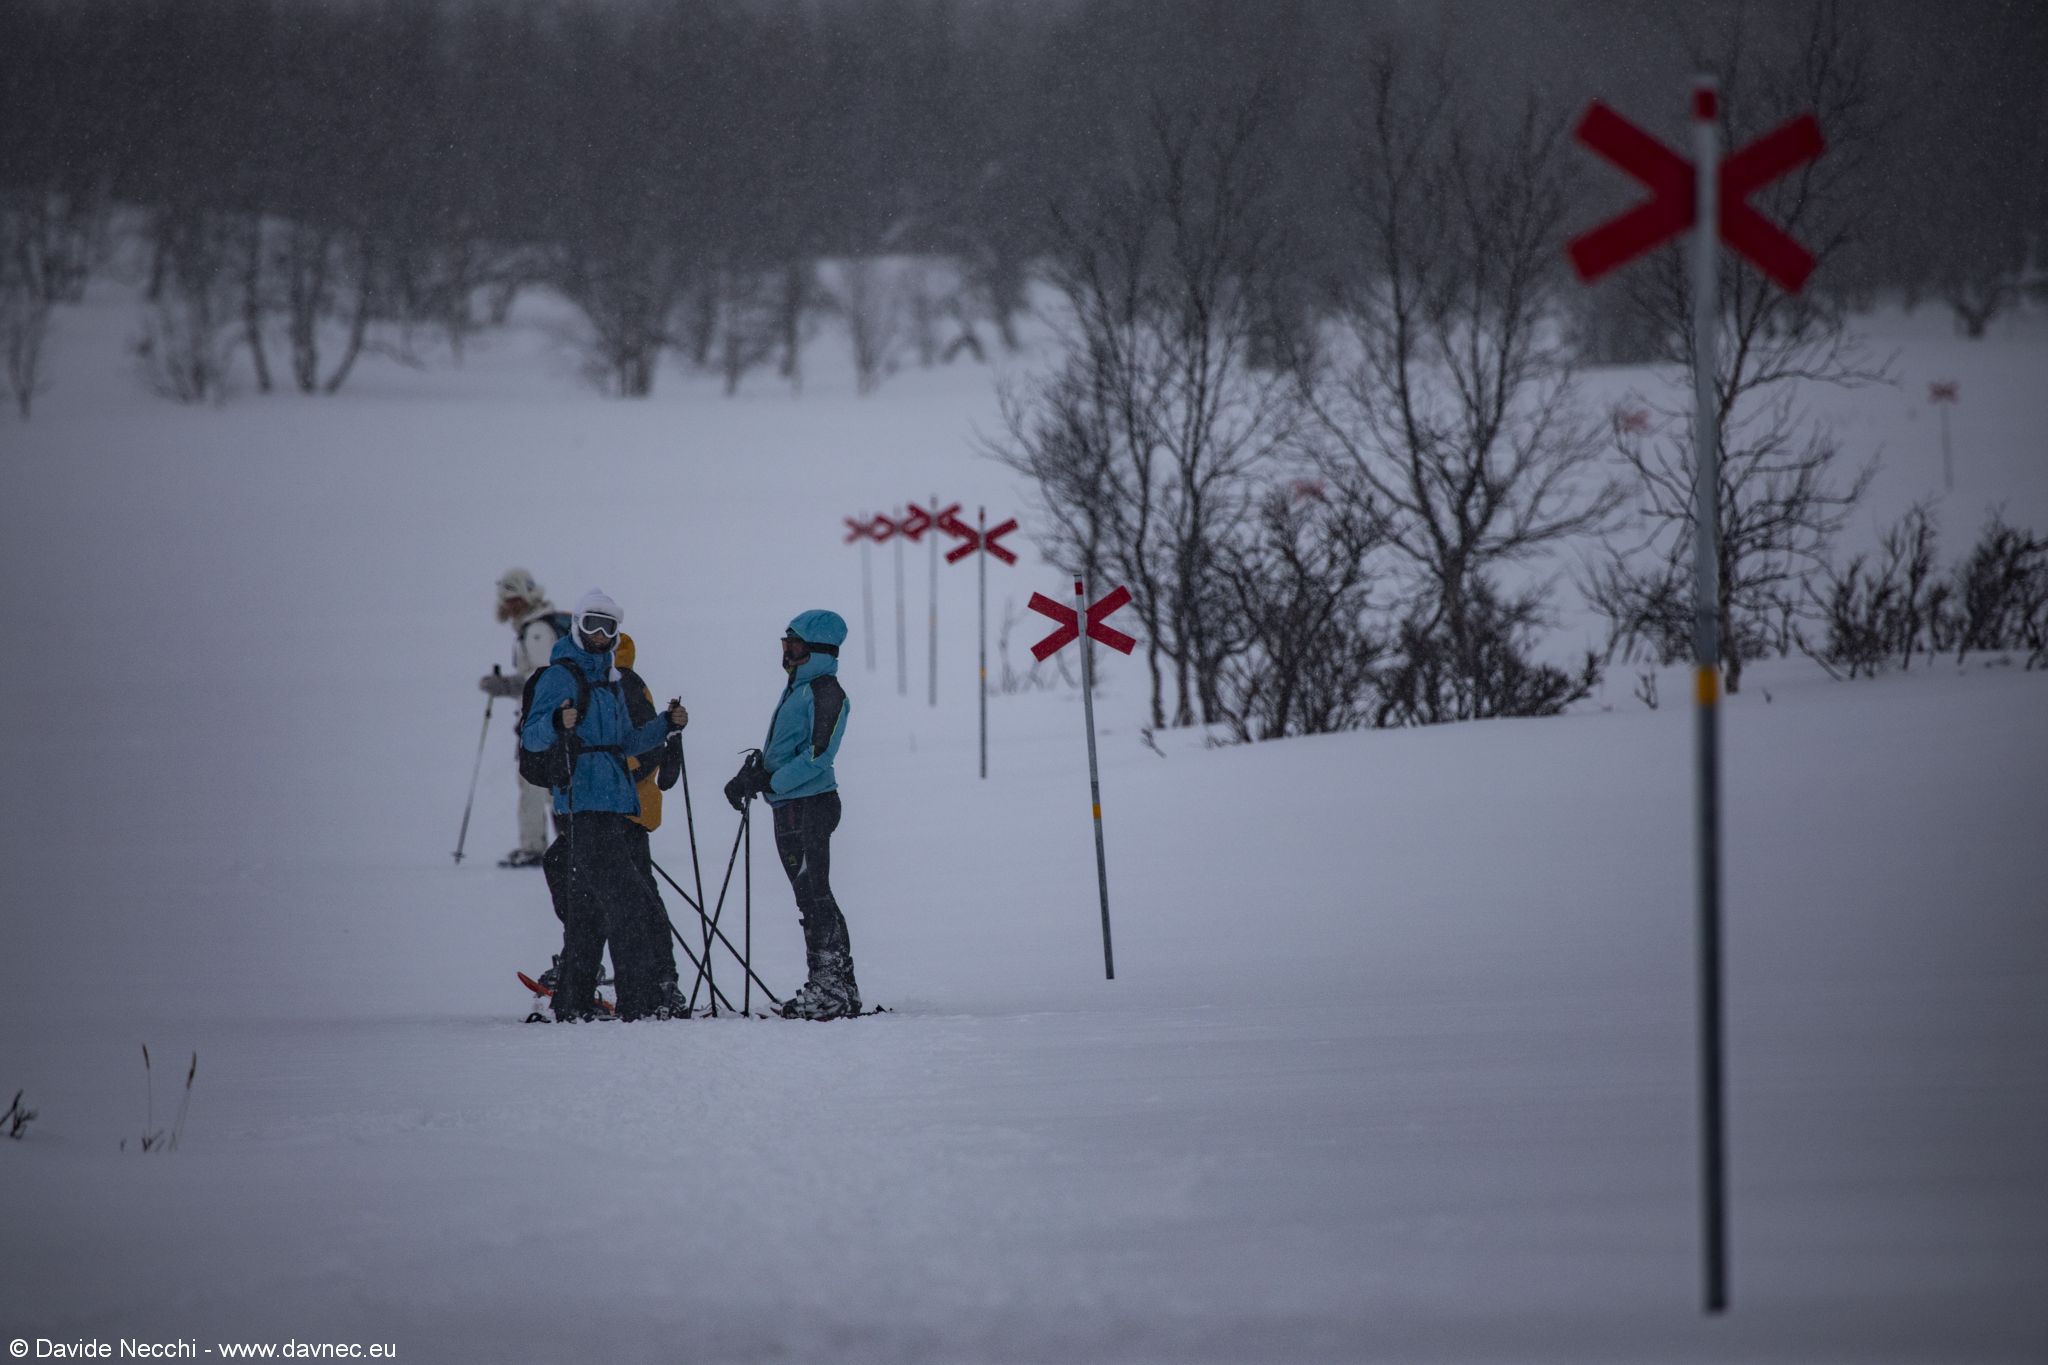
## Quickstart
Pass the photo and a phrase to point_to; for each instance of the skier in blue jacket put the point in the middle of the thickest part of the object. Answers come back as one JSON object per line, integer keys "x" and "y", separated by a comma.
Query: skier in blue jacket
{"x": 794, "y": 772}
{"x": 578, "y": 705}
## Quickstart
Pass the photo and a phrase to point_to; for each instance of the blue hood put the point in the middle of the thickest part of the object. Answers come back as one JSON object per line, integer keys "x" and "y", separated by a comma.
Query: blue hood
{"x": 596, "y": 667}
{"x": 819, "y": 628}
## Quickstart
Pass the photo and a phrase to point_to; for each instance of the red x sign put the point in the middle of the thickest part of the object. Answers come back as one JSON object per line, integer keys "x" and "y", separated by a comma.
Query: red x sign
{"x": 1942, "y": 393}
{"x": 1671, "y": 208}
{"x": 856, "y": 529}
{"x": 972, "y": 540}
{"x": 1070, "y": 624}
{"x": 915, "y": 523}
{"x": 881, "y": 528}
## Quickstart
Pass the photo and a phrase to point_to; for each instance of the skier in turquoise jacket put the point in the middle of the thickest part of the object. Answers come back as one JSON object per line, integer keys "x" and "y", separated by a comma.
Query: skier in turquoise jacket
{"x": 794, "y": 772}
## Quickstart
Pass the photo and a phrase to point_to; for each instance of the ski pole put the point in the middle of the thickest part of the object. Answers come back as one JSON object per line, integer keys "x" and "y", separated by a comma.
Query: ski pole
{"x": 719, "y": 909}
{"x": 690, "y": 821}
{"x": 684, "y": 944}
{"x": 477, "y": 771}
{"x": 717, "y": 932}
{"x": 747, "y": 908}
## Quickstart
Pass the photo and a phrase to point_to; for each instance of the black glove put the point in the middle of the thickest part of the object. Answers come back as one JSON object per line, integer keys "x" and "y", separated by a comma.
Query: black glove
{"x": 671, "y": 766}
{"x": 750, "y": 781}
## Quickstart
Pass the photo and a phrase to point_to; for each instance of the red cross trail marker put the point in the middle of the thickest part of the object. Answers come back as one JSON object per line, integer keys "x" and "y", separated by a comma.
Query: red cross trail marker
{"x": 1941, "y": 394}
{"x": 1673, "y": 205}
{"x": 1070, "y": 624}
{"x": 920, "y": 520}
{"x": 863, "y": 530}
{"x": 1069, "y": 619}
{"x": 983, "y": 539}
{"x": 1710, "y": 195}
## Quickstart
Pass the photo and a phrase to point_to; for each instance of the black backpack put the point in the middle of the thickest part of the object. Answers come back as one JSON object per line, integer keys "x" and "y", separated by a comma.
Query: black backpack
{"x": 550, "y": 767}
{"x": 640, "y": 709}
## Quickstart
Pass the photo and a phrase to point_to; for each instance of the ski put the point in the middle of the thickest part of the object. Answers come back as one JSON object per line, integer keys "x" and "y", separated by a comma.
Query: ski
{"x": 604, "y": 1006}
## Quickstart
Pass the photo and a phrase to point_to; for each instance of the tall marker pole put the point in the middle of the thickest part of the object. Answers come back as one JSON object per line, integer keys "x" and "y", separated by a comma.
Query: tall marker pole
{"x": 1707, "y": 669}
{"x": 933, "y": 619}
{"x": 867, "y": 602}
{"x": 982, "y": 625}
{"x": 902, "y": 657}
{"x": 1094, "y": 779}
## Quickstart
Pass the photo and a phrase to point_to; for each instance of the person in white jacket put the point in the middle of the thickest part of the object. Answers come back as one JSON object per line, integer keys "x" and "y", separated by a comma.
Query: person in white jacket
{"x": 536, "y": 625}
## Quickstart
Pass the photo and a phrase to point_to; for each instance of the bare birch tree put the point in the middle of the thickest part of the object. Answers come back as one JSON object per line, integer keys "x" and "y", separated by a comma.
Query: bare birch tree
{"x": 1448, "y": 398}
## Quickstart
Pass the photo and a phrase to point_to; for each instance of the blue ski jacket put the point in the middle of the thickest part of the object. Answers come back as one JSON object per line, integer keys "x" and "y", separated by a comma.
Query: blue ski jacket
{"x": 600, "y": 781}
{"x": 809, "y": 720}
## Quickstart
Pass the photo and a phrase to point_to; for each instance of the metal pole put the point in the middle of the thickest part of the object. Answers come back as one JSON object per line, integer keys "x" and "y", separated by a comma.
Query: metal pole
{"x": 475, "y": 772}
{"x": 902, "y": 658}
{"x": 934, "y": 619}
{"x": 1094, "y": 780}
{"x": 982, "y": 520}
{"x": 690, "y": 821}
{"x": 867, "y": 604}
{"x": 747, "y": 908}
{"x": 1707, "y": 662}
{"x": 1948, "y": 460}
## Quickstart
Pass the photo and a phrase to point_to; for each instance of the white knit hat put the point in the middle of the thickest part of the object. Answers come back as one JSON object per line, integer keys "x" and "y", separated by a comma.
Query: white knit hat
{"x": 599, "y": 601}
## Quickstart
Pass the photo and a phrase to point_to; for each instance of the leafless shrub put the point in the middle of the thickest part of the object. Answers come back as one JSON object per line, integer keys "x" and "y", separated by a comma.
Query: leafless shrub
{"x": 1486, "y": 671}
{"x": 153, "y": 1137}
{"x": 17, "y": 1118}
{"x": 1300, "y": 585}
{"x": 2001, "y": 595}
{"x": 1876, "y": 612}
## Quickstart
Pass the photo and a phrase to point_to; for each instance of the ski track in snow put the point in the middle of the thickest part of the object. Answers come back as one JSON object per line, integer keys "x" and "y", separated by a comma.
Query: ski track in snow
{"x": 1399, "y": 1065}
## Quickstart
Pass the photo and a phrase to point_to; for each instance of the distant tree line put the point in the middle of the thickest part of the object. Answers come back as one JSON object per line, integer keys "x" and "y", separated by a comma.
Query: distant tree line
{"x": 318, "y": 178}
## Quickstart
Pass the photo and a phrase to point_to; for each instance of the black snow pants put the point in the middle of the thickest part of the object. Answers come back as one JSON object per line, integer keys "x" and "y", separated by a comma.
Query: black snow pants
{"x": 803, "y": 838}
{"x": 664, "y": 945}
{"x": 604, "y": 897}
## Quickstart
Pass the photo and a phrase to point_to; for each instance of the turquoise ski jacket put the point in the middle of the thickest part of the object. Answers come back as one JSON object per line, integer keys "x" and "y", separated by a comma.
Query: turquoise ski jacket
{"x": 804, "y": 734}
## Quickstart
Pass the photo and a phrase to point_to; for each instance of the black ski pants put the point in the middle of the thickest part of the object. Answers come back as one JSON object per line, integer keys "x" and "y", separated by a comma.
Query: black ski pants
{"x": 803, "y": 839}
{"x": 604, "y": 897}
{"x": 664, "y": 946}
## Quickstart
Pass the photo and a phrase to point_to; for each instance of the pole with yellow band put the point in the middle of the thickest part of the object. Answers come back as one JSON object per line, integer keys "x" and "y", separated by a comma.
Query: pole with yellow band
{"x": 981, "y": 525}
{"x": 1707, "y": 685}
{"x": 1094, "y": 779}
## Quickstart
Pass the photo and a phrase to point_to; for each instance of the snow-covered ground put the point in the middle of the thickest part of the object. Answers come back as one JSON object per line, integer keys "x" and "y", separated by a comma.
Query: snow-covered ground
{"x": 1399, "y": 1061}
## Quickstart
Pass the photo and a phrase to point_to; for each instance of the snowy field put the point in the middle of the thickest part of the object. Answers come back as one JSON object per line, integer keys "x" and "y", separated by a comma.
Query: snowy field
{"x": 1399, "y": 1061}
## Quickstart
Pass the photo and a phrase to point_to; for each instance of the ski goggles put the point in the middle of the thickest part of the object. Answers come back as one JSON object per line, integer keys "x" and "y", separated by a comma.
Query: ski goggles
{"x": 597, "y": 623}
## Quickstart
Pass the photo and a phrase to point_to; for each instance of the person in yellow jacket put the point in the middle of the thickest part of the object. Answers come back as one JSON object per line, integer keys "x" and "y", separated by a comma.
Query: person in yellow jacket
{"x": 652, "y": 775}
